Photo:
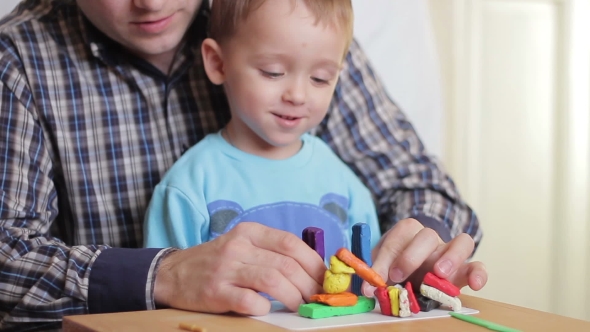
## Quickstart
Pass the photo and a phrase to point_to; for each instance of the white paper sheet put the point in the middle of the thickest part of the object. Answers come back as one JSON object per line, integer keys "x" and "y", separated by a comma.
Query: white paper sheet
{"x": 281, "y": 317}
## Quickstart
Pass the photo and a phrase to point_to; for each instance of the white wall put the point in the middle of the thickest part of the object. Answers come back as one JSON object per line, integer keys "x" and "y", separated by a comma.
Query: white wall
{"x": 398, "y": 38}
{"x": 517, "y": 81}
{"x": 6, "y": 6}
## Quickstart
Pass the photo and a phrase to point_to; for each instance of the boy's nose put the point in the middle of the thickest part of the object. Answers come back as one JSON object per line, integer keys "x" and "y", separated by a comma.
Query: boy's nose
{"x": 295, "y": 92}
{"x": 150, "y": 5}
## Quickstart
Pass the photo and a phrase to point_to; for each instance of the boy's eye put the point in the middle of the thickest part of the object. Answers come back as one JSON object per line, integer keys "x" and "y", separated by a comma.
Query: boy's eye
{"x": 319, "y": 80}
{"x": 271, "y": 74}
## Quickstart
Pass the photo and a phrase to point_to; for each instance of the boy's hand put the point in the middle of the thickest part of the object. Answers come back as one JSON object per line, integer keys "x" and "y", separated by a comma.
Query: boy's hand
{"x": 408, "y": 250}
{"x": 222, "y": 275}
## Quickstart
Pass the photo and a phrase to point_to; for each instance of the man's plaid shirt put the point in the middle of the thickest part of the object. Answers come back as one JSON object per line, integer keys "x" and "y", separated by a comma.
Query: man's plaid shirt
{"x": 87, "y": 130}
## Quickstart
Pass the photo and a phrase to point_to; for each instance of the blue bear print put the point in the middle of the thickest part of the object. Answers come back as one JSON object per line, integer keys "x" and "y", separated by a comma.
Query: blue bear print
{"x": 330, "y": 215}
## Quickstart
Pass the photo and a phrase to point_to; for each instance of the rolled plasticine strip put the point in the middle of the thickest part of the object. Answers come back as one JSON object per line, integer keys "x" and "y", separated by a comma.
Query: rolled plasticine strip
{"x": 426, "y": 304}
{"x": 191, "y": 327}
{"x": 344, "y": 299}
{"x": 394, "y": 300}
{"x": 442, "y": 285}
{"x": 314, "y": 237}
{"x": 318, "y": 310}
{"x": 414, "y": 306}
{"x": 404, "y": 303}
{"x": 361, "y": 248}
{"x": 440, "y": 296}
{"x": 384, "y": 303}
{"x": 361, "y": 268}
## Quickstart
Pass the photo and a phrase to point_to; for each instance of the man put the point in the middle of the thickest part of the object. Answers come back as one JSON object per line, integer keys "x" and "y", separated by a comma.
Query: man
{"x": 98, "y": 98}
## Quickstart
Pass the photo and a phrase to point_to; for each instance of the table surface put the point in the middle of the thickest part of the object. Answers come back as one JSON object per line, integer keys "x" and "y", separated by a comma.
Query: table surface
{"x": 168, "y": 319}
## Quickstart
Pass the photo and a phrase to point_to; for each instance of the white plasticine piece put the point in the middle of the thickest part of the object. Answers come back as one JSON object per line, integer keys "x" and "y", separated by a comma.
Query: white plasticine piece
{"x": 404, "y": 303}
{"x": 439, "y": 296}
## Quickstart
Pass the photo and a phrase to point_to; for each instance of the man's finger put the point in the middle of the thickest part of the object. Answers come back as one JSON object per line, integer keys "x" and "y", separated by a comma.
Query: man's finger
{"x": 456, "y": 252}
{"x": 245, "y": 301}
{"x": 391, "y": 245}
{"x": 472, "y": 274}
{"x": 414, "y": 255}
{"x": 269, "y": 281}
{"x": 287, "y": 266}
{"x": 287, "y": 244}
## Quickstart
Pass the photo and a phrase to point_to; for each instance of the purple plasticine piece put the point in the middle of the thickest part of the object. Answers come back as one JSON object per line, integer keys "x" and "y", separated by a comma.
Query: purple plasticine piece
{"x": 361, "y": 248}
{"x": 314, "y": 237}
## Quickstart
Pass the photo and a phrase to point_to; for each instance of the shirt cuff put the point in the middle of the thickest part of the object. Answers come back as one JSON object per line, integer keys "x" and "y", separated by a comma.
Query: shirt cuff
{"x": 437, "y": 225}
{"x": 119, "y": 278}
{"x": 151, "y": 281}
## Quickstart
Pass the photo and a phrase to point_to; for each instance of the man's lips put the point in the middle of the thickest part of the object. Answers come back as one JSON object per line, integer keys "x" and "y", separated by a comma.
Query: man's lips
{"x": 154, "y": 26}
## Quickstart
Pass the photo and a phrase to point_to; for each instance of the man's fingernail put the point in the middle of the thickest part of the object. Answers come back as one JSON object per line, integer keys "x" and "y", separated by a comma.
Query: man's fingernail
{"x": 397, "y": 275}
{"x": 478, "y": 282}
{"x": 445, "y": 266}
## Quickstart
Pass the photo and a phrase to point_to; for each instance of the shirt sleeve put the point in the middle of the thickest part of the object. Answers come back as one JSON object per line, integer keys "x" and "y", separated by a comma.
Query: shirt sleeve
{"x": 41, "y": 278}
{"x": 372, "y": 135}
{"x": 173, "y": 220}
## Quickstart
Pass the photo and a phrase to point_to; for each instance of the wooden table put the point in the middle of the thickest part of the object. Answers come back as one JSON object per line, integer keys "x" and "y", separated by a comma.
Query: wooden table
{"x": 168, "y": 319}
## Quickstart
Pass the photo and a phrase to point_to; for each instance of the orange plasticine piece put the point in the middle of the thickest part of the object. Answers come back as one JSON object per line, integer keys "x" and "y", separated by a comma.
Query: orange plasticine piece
{"x": 361, "y": 268}
{"x": 344, "y": 299}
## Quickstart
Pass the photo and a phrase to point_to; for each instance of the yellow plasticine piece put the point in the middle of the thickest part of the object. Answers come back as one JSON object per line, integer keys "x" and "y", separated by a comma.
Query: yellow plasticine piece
{"x": 338, "y": 266}
{"x": 394, "y": 299}
{"x": 336, "y": 282}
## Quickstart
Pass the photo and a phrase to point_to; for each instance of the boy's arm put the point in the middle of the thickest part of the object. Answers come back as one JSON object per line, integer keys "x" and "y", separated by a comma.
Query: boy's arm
{"x": 41, "y": 278}
{"x": 370, "y": 133}
{"x": 173, "y": 220}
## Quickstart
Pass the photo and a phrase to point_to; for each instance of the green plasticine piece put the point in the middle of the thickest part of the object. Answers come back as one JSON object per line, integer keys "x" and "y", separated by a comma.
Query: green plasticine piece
{"x": 318, "y": 310}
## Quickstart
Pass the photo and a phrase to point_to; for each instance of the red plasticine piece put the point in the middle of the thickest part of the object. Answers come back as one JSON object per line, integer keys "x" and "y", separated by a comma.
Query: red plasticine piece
{"x": 414, "y": 306}
{"x": 442, "y": 285}
{"x": 383, "y": 297}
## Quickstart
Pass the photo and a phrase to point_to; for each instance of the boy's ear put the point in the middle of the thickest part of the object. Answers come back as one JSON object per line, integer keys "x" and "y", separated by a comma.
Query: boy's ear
{"x": 213, "y": 61}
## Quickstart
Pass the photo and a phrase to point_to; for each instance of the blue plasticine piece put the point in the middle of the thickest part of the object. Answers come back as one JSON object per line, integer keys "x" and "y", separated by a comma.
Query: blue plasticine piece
{"x": 361, "y": 248}
{"x": 314, "y": 237}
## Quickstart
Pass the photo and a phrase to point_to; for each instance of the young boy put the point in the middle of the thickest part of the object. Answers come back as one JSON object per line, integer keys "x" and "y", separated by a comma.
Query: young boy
{"x": 278, "y": 62}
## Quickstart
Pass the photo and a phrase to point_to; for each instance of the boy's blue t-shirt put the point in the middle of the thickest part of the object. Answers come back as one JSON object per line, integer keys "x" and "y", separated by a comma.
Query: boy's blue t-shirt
{"x": 215, "y": 186}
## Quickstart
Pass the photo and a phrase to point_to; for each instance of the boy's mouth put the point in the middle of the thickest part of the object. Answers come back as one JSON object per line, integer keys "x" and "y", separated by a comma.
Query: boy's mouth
{"x": 287, "y": 117}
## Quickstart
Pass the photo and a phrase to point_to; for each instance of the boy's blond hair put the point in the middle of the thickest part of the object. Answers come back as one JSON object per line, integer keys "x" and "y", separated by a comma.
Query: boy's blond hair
{"x": 226, "y": 15}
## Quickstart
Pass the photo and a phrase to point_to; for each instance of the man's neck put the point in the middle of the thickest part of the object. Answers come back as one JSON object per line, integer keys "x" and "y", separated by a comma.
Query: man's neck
{"x": 161, "y": 61}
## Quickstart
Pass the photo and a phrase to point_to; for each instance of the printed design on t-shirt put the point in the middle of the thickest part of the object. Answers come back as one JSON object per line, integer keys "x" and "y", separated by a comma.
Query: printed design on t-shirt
{"x": 330, "y": 215}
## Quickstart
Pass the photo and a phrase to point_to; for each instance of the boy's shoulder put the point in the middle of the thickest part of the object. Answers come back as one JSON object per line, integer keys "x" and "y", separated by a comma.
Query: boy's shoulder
{"x": 318, "y": 144}
{"x": 198, "y": 159}
{"x": 322, "y": 151}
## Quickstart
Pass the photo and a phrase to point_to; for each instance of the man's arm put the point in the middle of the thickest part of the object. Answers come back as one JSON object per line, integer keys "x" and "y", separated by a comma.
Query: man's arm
{"x": 370, "y": 133}
{"x": 41, "y": 278}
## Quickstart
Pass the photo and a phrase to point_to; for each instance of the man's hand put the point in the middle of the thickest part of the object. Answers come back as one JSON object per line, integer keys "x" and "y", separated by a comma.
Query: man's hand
{"x": 225, "y": 274}
{"x": 408, "y": 250}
